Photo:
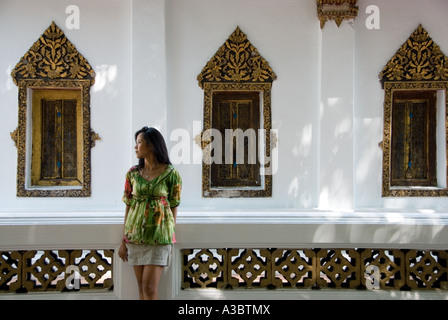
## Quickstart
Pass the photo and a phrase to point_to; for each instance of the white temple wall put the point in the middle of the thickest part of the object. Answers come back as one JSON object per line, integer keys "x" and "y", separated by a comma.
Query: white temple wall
{"x": 328, "y": 111}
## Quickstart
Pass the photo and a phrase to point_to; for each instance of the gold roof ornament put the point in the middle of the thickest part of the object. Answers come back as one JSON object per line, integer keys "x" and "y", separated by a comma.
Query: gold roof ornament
{"x": 237, "y": 60}
{"x": 52, "y": 57}
{"x": 418, "y": 59}
{"x": 337, "y": 10}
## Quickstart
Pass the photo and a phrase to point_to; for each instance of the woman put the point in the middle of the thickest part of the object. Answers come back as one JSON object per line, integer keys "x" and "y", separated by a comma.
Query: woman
{"x": 151, "y": 194}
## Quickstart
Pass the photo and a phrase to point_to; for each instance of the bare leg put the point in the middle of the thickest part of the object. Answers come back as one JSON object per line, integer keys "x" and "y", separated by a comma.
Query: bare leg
{"x": 148, "y": 277}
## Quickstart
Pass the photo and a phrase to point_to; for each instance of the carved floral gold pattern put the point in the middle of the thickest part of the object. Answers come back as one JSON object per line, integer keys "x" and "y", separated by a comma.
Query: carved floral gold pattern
{"x": 53, "y": 56}
{"x": 237, "y": 60}
{"x": 418, "y": 59}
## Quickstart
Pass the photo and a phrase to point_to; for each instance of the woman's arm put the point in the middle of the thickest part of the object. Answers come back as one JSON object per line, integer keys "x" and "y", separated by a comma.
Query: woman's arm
{"x": 174, "y": 211}
{"x": 123, "y": 251}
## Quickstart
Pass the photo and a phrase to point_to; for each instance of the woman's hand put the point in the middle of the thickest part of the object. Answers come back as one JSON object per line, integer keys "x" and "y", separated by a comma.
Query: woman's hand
{"x": 123, "y": 251}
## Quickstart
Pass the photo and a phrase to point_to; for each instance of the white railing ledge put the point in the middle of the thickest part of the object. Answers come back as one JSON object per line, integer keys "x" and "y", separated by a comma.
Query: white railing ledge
{"x": 60, "y": 217}
{"x": 212, "y": 216}
{"x": 365, "y": 217}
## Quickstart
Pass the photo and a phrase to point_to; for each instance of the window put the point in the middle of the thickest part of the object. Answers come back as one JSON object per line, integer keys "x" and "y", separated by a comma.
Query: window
{"x": 57, "y": 142}
{"x": 413, "y": 149}
{"x": 415, "y": 83}
{"x": 53, "y": 137}
{"x": 237, "y": 139}
{"x": 236, "y": 115}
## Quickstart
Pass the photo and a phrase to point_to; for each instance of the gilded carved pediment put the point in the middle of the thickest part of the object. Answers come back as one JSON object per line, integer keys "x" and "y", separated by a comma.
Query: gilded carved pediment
{"x": 337, "y": 10}
{"x": 51, "y": 57}
{"x": 418, "y": 59}
{"x": 237, "y": 60}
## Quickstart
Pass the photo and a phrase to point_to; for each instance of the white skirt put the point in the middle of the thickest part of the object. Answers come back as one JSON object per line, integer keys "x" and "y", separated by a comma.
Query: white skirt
{"x": 142, "y": 254}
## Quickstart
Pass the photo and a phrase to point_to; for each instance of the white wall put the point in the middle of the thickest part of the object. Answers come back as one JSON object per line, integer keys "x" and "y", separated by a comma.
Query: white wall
{"x": 147, "y": 55}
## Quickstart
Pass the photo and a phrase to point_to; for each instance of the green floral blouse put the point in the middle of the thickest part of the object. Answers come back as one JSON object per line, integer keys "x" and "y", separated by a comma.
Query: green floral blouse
{"x": 150, "y": 219}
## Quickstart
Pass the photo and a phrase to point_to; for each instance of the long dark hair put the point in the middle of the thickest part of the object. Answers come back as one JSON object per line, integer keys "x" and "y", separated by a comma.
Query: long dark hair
{"x": 154, "y": 139}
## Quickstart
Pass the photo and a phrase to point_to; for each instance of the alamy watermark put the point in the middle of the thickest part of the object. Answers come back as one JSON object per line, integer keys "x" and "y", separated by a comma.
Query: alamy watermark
{"x": 73, "y": 20}
{"x": 372, "y": 276}
{"x": 234, "y": 147}
{"x": 73, "y": 281}
{"x": 373, "y": 20}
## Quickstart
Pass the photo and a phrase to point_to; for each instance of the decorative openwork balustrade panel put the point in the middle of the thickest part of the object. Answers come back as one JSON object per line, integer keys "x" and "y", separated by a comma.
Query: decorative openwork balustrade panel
{"x": 315, "y": 268}
{"x": 49, "y": 270}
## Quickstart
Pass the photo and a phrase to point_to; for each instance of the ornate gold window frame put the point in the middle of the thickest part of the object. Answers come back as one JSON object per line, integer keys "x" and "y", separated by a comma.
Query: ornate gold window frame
{"x": 237, "y": 66}
{"x": 418, "y": 65}
{"x": 52, "y": 64}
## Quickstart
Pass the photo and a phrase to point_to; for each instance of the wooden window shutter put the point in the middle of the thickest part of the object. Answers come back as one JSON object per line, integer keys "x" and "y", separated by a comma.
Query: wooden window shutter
{"x": 413, "y": 147}
{"x": 236, "y": 115}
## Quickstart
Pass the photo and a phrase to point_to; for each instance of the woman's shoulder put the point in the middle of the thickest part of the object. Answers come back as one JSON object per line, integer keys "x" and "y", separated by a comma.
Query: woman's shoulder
{"x": 133, "y": 169}
{"x": 173, "y": 172}
{"x": 171, "y": 169}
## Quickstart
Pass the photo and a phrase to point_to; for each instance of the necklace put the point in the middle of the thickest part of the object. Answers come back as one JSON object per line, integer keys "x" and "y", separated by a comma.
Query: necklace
{"x": 151, "y": 173}
{"x": 145, "y": 174}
